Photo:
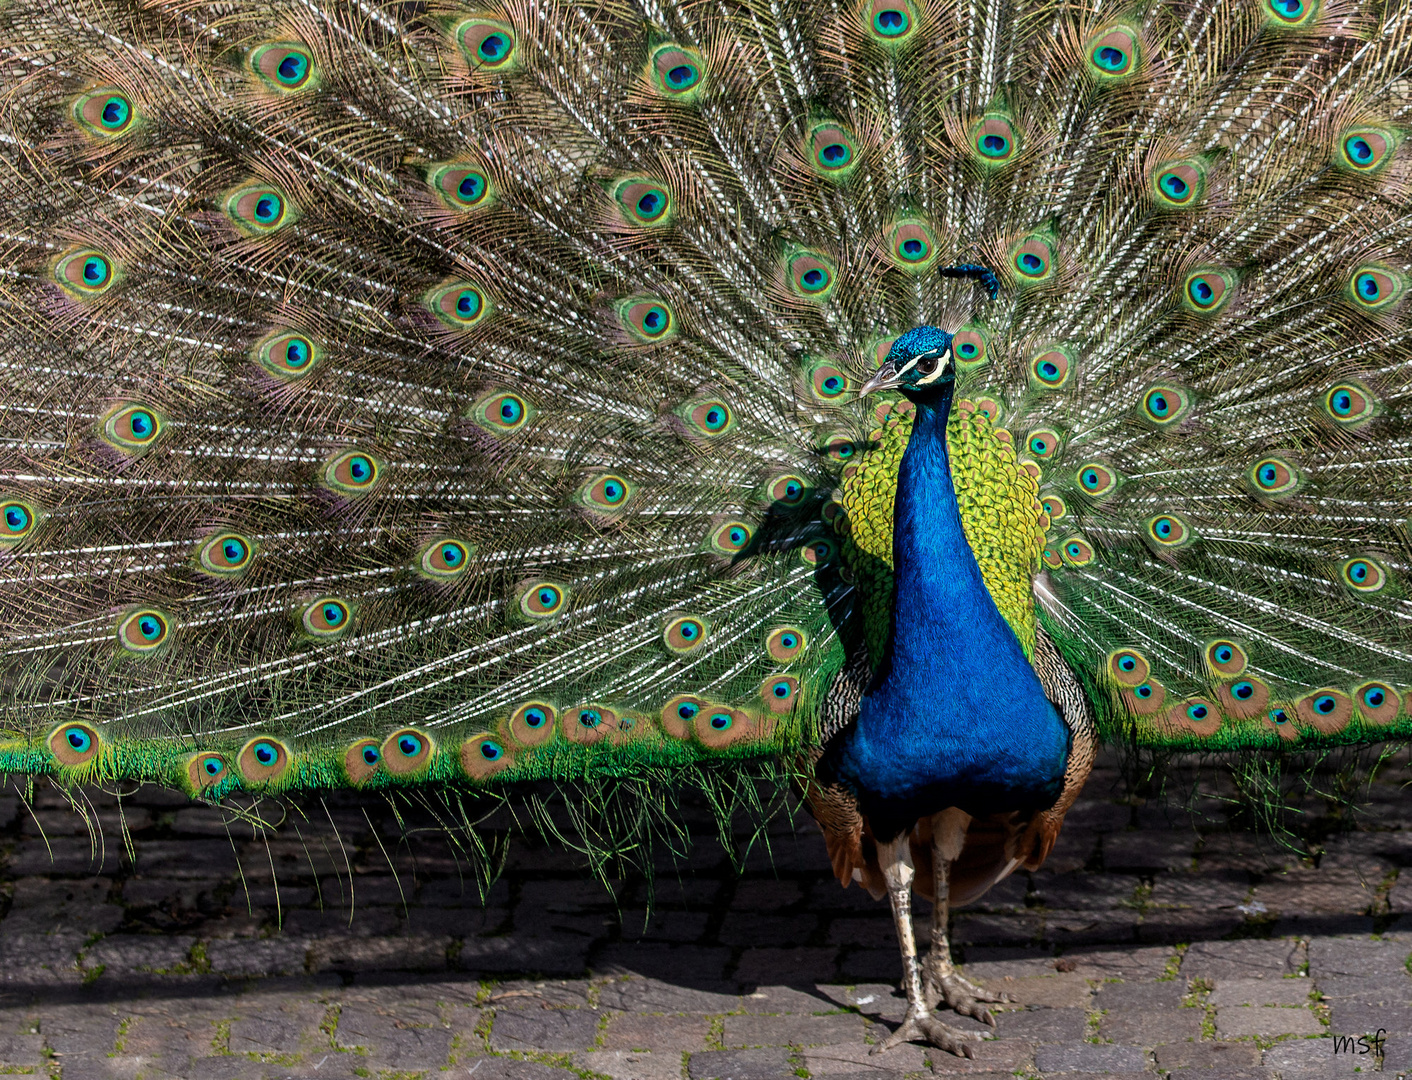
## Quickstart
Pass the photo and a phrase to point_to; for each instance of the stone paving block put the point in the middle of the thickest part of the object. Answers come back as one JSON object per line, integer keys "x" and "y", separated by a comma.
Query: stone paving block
{"x": 503, "y": 1068}
{"x": 1205, "y": 891}
{"x": 771, "y": 967}
{"x": 991, "y": 1056}
{"x": 858, "y": 1059}
{"x": 1261, "y": 992}
{"x": 1246, "y": 959}
{"x": 58, "y": 906}
{"x": 869, "y": 965}
{"x": 787, "y": 999}
{"x": 1242, "y": 852}
{"x": 256, "y": 956}
{"x": 572, "y": 896}
{"x": 539, "y": 994}
{"x": 1146, "y": 964}
{"x": 687, "y": 964}
{"x": 683, "y": 927}
{"x": 1223, "y": 1056}
{"x": 21, "y": 1049}
{"x": 271, "y": 1027}
{"x": 1114, "y": 997}
{"x": 223, "y": 1067}
{"x": 355, "y": 953}
{"x": 1074, "y": 850}
{"x": 1084, "y": 891}
{"x": 876, "y": 1001}
{"x": 185, "y": 859}
{"x": 1373, "y": 990}
{"x": 996, "y": 929}
{"x": 631, "y": 1065}
{"x": 141, "y": 892}
{"x": 1152, "y": 1027}
{"x": 770, "y": 895}
{"x": 1172, "y": 927}
{"x": 175, "y": 1034}
{"x": 658, "y": 996}
{"x": 551, "y": 956}
{"x": 1235, "y": 1021}
{"x": 873, "y": 932}
{"x": 1316, "y": 892}
{"x": 40, "y": 959}
{"x": 122, "y": 954}
{"x": 1356, "y": 1018}
{"x": 1149, "y": 849}
{"x": 544, "y": 1029}
{"x": 1009, "y": 894}
{"x": 80, "y": 1033}
{"x": 64, "y": 855}
{"x": 634, "y": 1031}
{"x": 1043, "y": 1025}
{"x": 1256, "y": 1073}
{"x": 749, "y": 929}
{"x": 1060, "y": 990}
{"x": 1315, "y": 1059}
{"x": 1069, "y": 928}
{"x": 409, "y": 1037}
{"x": 331, "y": 921}
{"x": 768, "y": 1064}
{"x": 1090, "y": 1058}
{"x": 1360, "y": 957}
{"x": 743, "y": 1031}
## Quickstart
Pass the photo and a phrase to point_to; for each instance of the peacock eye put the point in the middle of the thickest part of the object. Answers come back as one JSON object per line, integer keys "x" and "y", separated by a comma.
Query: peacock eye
{"x": 926, "y": 364}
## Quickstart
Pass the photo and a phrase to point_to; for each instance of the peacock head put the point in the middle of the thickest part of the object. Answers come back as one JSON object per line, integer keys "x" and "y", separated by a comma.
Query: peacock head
{"x": 919, "y": 364}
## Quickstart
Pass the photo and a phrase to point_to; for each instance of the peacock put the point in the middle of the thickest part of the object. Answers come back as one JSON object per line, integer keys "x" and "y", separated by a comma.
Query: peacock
{"x": 914, "y": 393}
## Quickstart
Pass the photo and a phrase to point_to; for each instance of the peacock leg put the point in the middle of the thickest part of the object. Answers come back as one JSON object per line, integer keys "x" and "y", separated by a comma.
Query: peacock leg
{"x": 941, "y": 981}
{"x": 920, "y": 1025}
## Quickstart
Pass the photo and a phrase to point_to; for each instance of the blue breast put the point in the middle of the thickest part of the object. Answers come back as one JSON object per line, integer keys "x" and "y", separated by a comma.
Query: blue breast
{"x": 955, "y": 715}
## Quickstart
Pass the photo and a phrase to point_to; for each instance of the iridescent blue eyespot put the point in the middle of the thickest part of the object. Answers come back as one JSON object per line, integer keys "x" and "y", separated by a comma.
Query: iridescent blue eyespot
{"x": 1143, "y": 691}
{"x": 535, "y": 718}
{"x": 213, "y": 766}
{"x": 291, "y": 68}
{"x": 17, "y": 518}
{"x": 409, "y": 745}
{"x": 1109, "y": 58}
{"x": 590, "y": 718}
{"x": 493, "y": 47}
{"x": 116, "y": 111}
{"x": 79, "y": 739}
{"x": 371, "y": 756}
{"x": 687, "y": 710}
{"x": 265, "y": 754}
{"x": 1197, "y": 712}
{"x": 1242, "y": 690}
{"x": 1325, "y": 704}
{"x": 720, "y": 721}
{"x": 1374, "y": 697}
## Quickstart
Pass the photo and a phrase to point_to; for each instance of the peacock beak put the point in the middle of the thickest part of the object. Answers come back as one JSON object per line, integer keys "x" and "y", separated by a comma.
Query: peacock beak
{"x": 885, "y": 378}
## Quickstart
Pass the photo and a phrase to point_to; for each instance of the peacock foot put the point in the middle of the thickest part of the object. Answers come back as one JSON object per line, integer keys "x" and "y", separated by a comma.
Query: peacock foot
{"x": 926, "y": 1028}
{"x": 962, "y": 996}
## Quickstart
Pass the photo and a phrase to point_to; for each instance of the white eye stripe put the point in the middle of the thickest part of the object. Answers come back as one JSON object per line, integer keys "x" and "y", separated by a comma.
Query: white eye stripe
{"x": 942, "y": 361}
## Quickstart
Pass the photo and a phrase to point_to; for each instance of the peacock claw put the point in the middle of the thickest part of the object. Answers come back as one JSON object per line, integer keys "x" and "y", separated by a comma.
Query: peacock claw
{"x": 926, "y": 1028}
{"x": 962, "y": 996}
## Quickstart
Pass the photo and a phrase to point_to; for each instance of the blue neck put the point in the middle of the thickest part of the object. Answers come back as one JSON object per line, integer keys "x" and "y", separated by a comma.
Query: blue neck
{"x": 956, "y": 714}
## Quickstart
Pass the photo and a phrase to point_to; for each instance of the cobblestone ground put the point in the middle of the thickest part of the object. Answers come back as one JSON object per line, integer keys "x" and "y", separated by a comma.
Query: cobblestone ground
{"x": 1156, "y": 941}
